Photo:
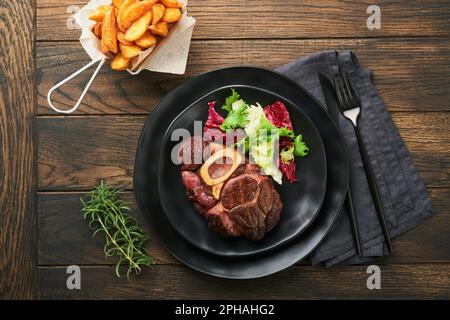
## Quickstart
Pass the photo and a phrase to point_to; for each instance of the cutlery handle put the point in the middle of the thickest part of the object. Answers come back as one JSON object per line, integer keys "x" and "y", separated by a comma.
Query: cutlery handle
{"x": 373, "y": 189}
{"x": 354, "y": 225}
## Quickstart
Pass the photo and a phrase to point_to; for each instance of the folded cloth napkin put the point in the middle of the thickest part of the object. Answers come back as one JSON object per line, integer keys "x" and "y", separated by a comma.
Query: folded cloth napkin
{"x": 405, "y": 199}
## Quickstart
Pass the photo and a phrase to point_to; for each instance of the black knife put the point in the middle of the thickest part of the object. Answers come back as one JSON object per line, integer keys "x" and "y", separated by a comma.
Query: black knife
{"x": 333, "y": 110}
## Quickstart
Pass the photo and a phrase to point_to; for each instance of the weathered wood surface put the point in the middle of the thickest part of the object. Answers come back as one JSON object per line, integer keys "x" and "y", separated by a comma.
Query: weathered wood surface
{"x": 414, "y": 281}
{"x": 17, "y": 151}
{"x": 64, "y": 238}
{"x": 410, "y": 74}
{"x": 217, "y": 19}
{"x": 76, "y": 152}
{"x": 410, "y": 58}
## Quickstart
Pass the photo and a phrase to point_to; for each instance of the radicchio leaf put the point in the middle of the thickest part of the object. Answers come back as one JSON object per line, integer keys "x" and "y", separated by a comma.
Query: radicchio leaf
{"x": 211, "y": 130}
{"x": 214, "y": 119}
{"x": 278, "y": 115}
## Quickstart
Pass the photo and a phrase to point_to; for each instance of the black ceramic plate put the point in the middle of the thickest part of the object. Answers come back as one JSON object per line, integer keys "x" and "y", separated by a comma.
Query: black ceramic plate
{"x": 147, "y": 166}
{"x": 301, "y": 200}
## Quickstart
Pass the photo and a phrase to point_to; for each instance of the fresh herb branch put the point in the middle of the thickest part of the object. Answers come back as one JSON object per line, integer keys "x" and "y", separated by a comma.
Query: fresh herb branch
{"x": 123, "y": 237}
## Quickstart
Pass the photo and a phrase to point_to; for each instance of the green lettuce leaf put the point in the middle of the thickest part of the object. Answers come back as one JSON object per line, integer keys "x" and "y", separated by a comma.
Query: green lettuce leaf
{"x": 300, "y": 148}
{"x": 235, "y": 119}
{"x": 230, "y": 100}
{"x": 262, "y": 151}
{"x": 284, "y": 132}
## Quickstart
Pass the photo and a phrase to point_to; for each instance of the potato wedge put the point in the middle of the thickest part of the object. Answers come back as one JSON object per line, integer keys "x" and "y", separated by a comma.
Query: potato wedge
{"x": 146, "y": 41}
{"x": 119, "y": 62}
{"x": 161, "y": 29}
{"x": 129, "y": 52}
{"x": 134, "y": 12}
{"x": 123, "y": 8}
{"x": 121, "y": 38}
{"x": 117, "y": 3}
{"x": 139, "y": 27}
{"x": 97, "y": 30}
{"x": 98, "y": 14}
{"x": 171, "y": 3}
{"x": 103, "y": 49}
{"x": 171, "y": 15}
{"x": 158, "y": 12}
{"x": 109, "y": 30}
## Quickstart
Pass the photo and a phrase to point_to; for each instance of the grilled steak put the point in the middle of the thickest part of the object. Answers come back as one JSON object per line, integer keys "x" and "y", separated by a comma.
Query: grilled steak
{"x": 245, "y": 203}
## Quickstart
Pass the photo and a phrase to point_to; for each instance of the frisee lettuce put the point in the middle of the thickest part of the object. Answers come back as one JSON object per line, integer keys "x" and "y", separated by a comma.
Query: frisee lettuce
{"x": 300, "y": 148}
{"x": 287, "y": 154}
{"x": 237, "y": 118}
{"x": 230, "y": 100}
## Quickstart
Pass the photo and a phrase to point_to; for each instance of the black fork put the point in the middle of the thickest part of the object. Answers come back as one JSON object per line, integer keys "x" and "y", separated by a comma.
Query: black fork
{"x": 350, "y": 106}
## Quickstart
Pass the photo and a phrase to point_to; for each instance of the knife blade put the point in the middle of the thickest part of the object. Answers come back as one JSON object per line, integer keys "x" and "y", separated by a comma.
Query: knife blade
{"x": 333, "y": 109}
{"x": 330, "y": 98}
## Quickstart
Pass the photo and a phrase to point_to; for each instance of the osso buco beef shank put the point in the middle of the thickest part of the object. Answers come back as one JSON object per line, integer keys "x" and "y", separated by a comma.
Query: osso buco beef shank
{"x": 234, "y": 197}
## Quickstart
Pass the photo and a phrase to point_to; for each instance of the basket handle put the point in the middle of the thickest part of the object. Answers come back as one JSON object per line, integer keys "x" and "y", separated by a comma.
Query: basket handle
{"x": 73, "y": 75}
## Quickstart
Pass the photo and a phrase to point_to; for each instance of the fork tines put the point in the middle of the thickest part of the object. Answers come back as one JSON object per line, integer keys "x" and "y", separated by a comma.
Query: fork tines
{"x": 346, "y": 94}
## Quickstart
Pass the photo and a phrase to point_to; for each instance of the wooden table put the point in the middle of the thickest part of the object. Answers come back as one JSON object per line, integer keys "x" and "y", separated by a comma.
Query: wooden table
{"x": 48, "y": 161}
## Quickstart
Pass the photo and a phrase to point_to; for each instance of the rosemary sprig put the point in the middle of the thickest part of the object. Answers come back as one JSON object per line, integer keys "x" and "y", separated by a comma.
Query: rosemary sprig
{"x": 123, "y": 237}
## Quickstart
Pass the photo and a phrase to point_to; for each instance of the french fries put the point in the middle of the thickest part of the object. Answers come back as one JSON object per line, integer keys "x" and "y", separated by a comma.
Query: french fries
{"x": 121, "y": 38}
{"x": 129, "y": 52}
{"x": 171, "y": 15}
{"x": 146, "y": 41}
{"x": 97, "y": 30}
{"x": 122, "y": 9}
{"x": 161, "y": 29}
{"x": 98, "y": 14}
{"x": 158, "y": 10}
{"x": 134, "y": 12}
{"x": 139, "y": 27}
{"x": 109, "y": 30}
{"x": 127, "y": 27}
{"x": 120, "y": 63}
{"x": 117, "y": 3}
{"x": 103, "y": 48}
{"x": 171, "y": 3}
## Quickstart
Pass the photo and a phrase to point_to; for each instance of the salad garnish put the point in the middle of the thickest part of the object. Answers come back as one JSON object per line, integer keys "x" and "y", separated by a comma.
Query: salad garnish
{"x": 268, "y": 133}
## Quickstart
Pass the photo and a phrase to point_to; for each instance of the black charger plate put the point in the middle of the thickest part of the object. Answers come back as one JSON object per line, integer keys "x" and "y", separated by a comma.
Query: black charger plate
{"x": 146, "y": 174}
{"x": 301, "y": 200}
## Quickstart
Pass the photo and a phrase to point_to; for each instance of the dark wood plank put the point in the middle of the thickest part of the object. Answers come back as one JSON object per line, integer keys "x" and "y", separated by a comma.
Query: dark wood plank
{"x": 17, "y": 150}
{"x": 281, "y": 19}
{"x": 429, "y": 281}
{"x": 410, "y": 74}
{"x": 64, "y": 238}
{"x": 76, "y": 152}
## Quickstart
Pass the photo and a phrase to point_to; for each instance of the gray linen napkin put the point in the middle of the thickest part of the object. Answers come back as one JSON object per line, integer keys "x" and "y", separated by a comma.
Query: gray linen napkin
{"x": 405, "y": 199}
